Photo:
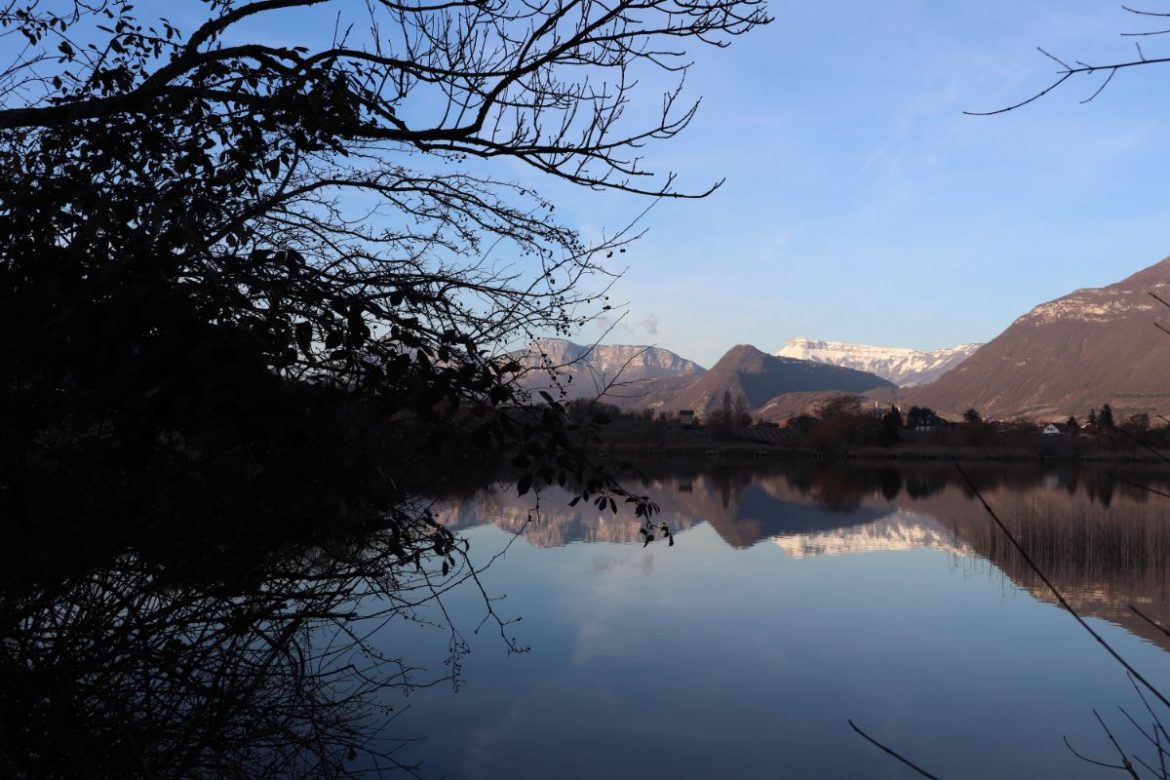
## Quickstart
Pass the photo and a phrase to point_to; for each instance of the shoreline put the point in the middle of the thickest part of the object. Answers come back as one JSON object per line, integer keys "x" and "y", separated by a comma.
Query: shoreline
{"x": 754, "y": 452}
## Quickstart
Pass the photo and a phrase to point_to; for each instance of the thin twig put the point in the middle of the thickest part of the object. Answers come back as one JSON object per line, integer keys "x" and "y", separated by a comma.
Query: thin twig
{"x": 1161, "y": 456}
{"x": 1088, "y": 760}
{"x": 1157, "y": 721}
{"x": 1137, "y": 485}
{"x": 892, "y": 752}
{"x": 1151, "y": 738}
{"x": 1069, "y": 72}
{"x": 1055, "y": 592}
{"x": 1126, "y": 764}
{"x": 1023, "y": 103}
{"x": 1157, "y": 298}
{"x": 1149, "y": 620}
{"x": 1055, "y": 59}
{"x": 1144, "y": 13}
{"x": 1143, "y": 763}
{"x": 1101, "y": 88}
{"x": 1158, "y": 743}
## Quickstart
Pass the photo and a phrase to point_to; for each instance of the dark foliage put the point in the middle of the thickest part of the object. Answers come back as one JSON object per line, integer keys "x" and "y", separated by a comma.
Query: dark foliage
{"x": 255, "y": 304}
{"x": 890, "y": 432}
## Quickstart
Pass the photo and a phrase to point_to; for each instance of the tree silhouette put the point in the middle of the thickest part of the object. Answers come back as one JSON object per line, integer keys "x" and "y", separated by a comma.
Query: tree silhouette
{"x": 210, "y": 244}
{"x": 262, "y": 665}
{"x": 260, "y": 297}
{"x": 741, "y": 411}
{"x": 1105, "y": 418}
{"x": 920, "y": 415}
{"x": 890, "y": 432}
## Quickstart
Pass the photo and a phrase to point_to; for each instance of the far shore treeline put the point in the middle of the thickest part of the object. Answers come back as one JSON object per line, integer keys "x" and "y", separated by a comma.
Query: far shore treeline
{"x": 850, "y": 426}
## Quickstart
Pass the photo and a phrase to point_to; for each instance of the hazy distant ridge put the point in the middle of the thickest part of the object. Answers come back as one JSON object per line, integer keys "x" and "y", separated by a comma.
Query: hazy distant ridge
{"x": 592, "y": 369}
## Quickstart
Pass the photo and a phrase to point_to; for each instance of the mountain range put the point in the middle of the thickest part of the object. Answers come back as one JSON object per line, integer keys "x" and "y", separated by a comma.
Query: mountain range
{"x": 652, "y": 378}
{"x": 1067, "y": 356}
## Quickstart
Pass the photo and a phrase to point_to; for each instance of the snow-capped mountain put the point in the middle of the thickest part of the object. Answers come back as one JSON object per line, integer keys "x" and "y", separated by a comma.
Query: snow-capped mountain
{"x": 903, "y": 367}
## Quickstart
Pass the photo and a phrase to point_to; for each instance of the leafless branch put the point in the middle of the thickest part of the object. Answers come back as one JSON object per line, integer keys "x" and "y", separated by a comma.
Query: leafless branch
{"x": 1068, "y": 71}
{"x": 890, "y": 751}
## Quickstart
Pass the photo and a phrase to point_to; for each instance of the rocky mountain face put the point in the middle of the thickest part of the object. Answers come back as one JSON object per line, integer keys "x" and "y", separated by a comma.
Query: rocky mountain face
{"x": 1090, "y": 347}
{"x": 587, "y": 371}
{"x": 760, "y": 377}
{"x": 903, "y": 367}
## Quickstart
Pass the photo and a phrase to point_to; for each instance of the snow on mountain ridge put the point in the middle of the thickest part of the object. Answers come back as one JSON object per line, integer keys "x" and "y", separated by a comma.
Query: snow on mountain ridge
{"x": 900, "y": 365}
{"x": 904, "y": 529}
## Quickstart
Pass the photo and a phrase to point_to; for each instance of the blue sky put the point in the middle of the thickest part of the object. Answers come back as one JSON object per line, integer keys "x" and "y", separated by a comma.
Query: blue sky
{"x": 861, "y": 204}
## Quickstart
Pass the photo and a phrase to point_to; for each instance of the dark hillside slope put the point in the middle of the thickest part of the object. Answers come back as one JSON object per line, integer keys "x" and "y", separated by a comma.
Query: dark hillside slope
{"x": 1077, "y": 352}
{"x": 760, "y": 377}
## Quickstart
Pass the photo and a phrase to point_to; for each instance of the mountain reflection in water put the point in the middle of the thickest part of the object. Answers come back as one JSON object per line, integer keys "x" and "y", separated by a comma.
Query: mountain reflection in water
{"x": 798, "y": 596}
{"x": 1105, "y": 543}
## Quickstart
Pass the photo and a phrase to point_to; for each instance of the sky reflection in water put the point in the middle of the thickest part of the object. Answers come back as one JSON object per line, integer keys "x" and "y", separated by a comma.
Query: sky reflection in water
{"x": 792, "y": 600}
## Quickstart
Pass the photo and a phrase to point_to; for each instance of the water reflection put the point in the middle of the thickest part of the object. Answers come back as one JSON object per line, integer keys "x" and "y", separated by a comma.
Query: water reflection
{"x": 227, "y": 659}
{"x": 1096, "y": 533}
{"x": 1101, "y": 536}
{"x": 797, "y": 595}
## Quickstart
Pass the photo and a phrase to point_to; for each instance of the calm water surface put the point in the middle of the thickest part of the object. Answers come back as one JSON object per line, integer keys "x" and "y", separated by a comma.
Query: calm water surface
{"x": 794, "y": 599}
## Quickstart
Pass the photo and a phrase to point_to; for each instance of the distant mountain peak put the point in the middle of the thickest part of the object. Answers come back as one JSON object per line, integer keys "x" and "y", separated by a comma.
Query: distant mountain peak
{"x": 900, "y": 365}
{"x": 585, "y": 371}
{"x": 758, "y": 377}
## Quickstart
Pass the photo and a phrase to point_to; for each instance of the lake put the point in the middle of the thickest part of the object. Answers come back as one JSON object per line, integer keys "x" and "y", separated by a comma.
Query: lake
{"x": 794, "y": 599}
